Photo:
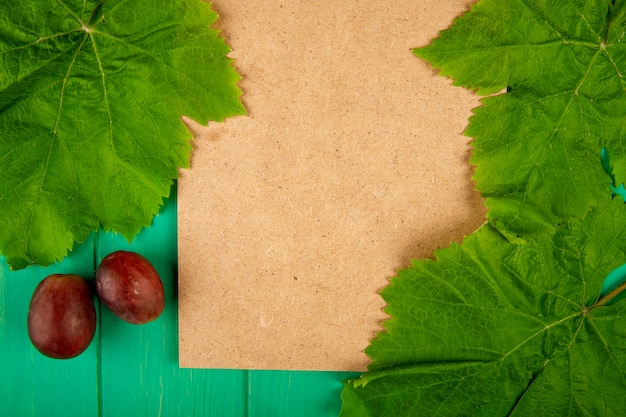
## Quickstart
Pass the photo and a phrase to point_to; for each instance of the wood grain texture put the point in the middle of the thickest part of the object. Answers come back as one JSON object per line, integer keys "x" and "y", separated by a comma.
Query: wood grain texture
{"x": 32, "y": 384}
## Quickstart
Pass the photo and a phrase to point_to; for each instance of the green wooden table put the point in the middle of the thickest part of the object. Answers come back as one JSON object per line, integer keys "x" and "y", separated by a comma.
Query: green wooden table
{"x": 133, "y": 370}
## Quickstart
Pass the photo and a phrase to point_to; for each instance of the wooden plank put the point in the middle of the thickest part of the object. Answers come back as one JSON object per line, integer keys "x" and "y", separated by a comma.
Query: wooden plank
{"x": 295, "y": 394}
{"x": 30, "y": 383}
{"x": 140, "y": 373}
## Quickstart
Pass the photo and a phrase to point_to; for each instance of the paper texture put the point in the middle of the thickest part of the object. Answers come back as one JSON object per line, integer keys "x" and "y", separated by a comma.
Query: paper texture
{"x": 350, "y": 164}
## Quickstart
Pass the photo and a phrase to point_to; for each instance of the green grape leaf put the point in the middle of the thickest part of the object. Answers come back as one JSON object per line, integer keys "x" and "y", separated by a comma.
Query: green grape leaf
{"x": 493, "y": 328}
{"x": 91, "y": 98}
{"x": 536, "y": 147}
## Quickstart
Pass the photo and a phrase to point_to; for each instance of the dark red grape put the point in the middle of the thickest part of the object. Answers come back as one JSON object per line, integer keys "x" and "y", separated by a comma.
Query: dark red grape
{"x": 130, "y": 287}
{"x": 62, "y": 316}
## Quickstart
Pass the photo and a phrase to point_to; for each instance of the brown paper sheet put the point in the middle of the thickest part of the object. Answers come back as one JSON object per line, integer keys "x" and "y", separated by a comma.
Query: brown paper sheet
{"x": 350, "y": 164}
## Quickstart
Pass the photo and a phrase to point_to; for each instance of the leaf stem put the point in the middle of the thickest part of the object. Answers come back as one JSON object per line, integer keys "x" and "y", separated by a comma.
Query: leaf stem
{"x": 608, "y": 297}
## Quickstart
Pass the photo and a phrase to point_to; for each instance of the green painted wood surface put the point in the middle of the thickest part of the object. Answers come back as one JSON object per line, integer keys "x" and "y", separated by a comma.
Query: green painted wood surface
{"x": 133, "y": 370}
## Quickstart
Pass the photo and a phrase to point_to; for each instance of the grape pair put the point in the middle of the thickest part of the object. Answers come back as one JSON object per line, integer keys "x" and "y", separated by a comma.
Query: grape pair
{"x": 62, "y": 315}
